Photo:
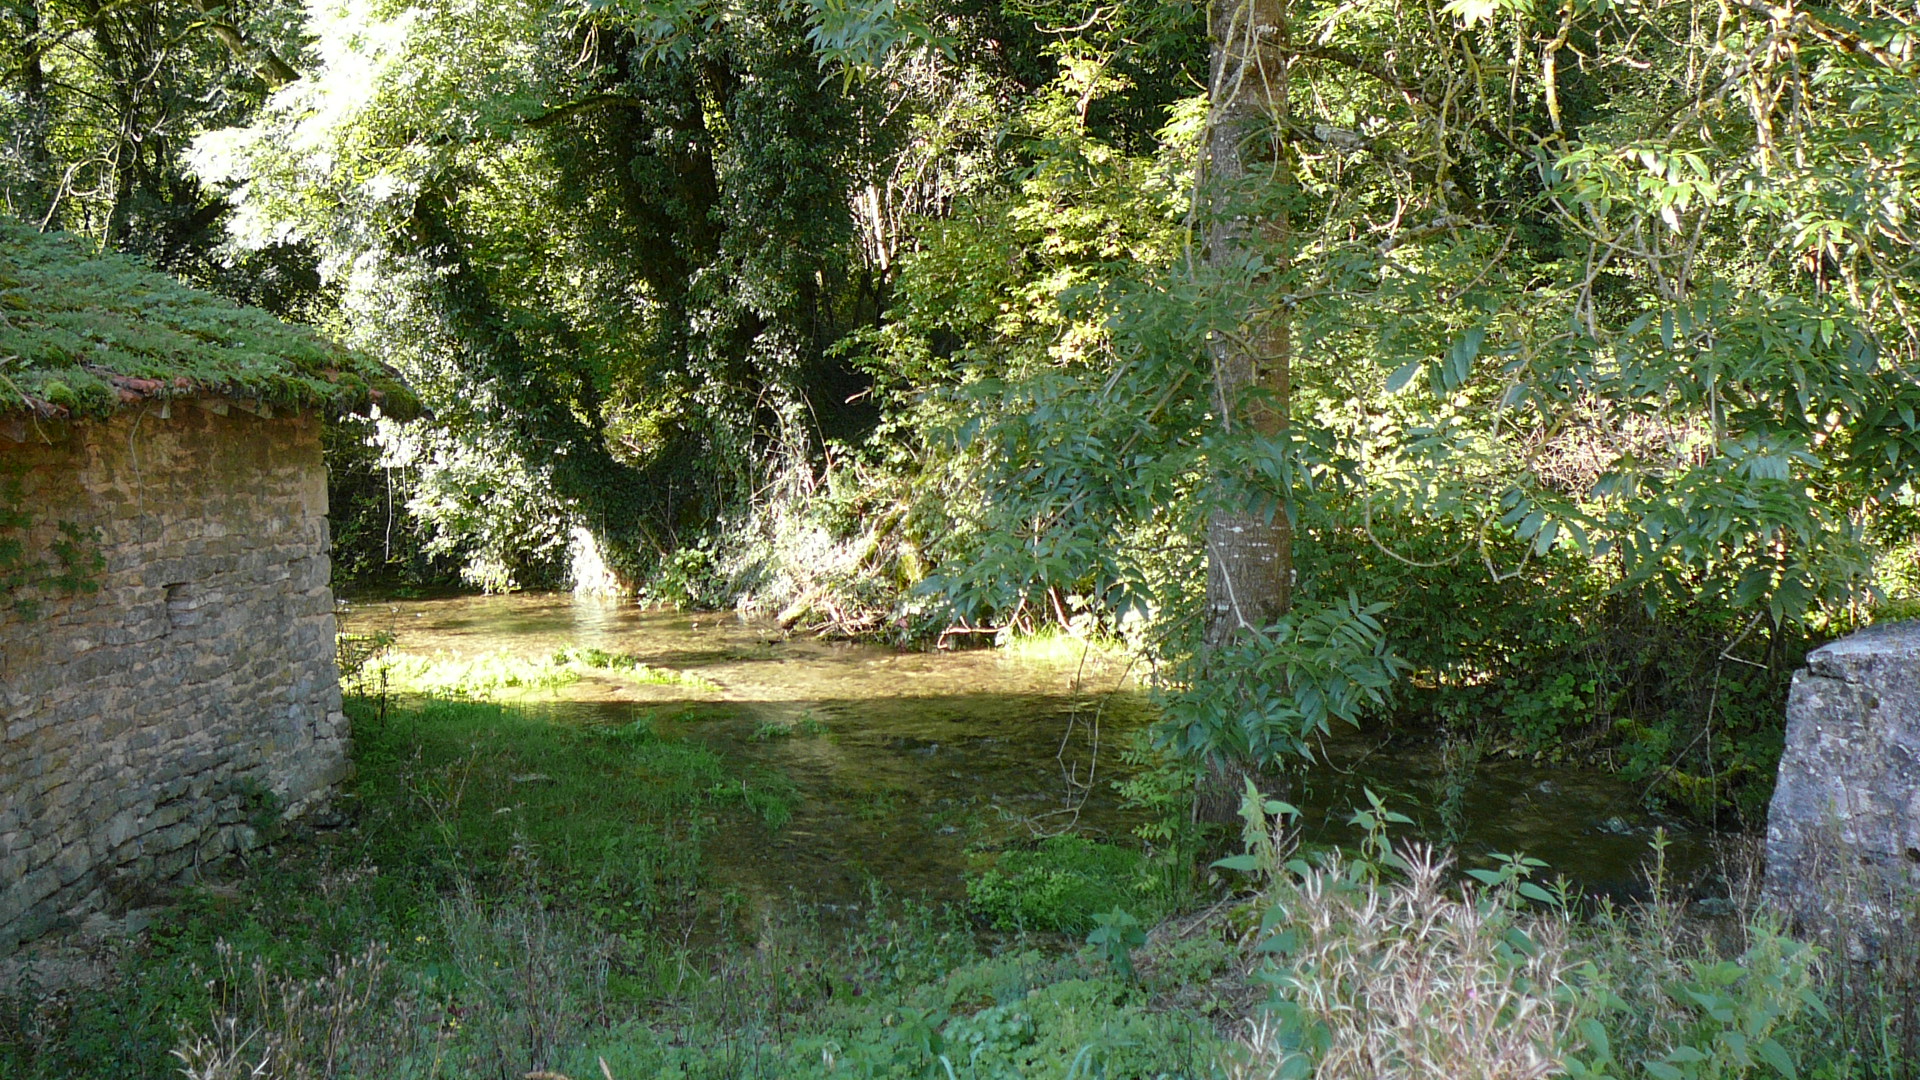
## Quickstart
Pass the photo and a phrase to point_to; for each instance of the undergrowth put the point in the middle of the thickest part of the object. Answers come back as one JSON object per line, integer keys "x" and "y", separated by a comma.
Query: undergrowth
{"x": 510, "y": 897}
{"x": 1064, "y": 883}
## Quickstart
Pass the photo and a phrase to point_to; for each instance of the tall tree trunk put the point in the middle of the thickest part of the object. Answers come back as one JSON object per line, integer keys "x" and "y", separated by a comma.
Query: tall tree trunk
{"x": 37, "y": 201}
{"x": 1249, "y": 547}
{"x": 1249, "y": 551}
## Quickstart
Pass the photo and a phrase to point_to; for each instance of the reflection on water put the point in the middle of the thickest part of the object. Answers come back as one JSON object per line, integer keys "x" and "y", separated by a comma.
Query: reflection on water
{"x": 902, "y": 760}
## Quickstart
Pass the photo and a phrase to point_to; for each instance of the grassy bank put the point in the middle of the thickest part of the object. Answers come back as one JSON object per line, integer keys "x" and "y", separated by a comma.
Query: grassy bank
{"x": 505, "y": 895}
{"x": 500, "y": 897}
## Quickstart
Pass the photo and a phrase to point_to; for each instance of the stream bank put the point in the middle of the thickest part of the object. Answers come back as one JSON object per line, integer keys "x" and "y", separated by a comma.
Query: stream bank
{"x": 906, "y": 763}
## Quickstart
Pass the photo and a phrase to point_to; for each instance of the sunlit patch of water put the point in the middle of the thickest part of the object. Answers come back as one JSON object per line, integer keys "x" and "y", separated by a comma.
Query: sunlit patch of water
{"x": 902, "y": 762}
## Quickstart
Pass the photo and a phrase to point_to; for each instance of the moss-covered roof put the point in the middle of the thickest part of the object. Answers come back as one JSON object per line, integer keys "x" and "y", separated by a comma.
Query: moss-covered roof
{"x": 82, "y": 334}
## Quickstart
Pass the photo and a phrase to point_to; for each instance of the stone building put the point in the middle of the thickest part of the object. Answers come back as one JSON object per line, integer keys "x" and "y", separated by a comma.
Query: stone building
{"x": 167, "y": 679}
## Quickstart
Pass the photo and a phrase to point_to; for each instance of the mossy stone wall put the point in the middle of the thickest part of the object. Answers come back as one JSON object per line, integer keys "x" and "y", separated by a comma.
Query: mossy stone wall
{"x": 149, "y": 726}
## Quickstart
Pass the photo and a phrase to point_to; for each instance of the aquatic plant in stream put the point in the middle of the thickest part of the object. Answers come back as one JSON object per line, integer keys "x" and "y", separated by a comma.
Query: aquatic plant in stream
{"x": 629, "y": 668}
{"x": 479, "y": 677}
{"x": 807, "y": 725}
{"x": 500, "y": 675}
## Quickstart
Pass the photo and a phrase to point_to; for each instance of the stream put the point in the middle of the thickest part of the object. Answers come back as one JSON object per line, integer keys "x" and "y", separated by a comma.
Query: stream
{"x": 905, "y": 762}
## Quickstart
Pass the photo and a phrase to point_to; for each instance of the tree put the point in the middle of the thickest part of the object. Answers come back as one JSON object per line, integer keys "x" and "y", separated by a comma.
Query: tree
{"x": 1523, "y": 303}
{"x": 1250, "y": 542}
{"x": 631, "y": 269}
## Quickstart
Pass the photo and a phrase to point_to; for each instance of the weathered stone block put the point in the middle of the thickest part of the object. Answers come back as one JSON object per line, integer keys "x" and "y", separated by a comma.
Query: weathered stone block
{"x": 1843, "y": 833}
{"x": 124, "y": 713}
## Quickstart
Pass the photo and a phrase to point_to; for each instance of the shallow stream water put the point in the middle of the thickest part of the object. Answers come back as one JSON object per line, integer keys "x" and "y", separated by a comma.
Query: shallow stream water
{"x": 904, "y": 762}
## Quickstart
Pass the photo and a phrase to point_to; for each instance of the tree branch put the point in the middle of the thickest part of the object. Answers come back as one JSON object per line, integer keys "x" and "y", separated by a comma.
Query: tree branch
{"x": 586, "y": 104}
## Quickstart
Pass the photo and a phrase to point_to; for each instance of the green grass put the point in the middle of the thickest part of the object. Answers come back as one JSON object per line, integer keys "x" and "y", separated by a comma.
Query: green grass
{"x": 1049, "y": 644}
{"x": 512, "y": 895}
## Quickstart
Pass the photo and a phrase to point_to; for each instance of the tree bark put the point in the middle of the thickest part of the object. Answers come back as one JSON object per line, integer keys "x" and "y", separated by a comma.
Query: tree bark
{"x": 1249, "y": 550}
{"x": 42, "y": 186}
{"x": 263, "y": 61}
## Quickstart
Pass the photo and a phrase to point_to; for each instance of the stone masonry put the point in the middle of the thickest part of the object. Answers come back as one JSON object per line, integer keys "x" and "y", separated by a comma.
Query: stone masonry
{"x": 1843, "y": 833}
{"x": 149, "y": 728}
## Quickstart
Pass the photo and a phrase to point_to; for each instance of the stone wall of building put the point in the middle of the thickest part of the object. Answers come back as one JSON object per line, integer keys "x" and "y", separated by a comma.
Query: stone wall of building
{"x": 1843, "y": 832}
{"x": 151, "y": 726}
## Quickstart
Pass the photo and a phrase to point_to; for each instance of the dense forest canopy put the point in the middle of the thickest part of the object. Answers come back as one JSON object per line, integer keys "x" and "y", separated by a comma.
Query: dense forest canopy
{"x": 1539, "y": 372}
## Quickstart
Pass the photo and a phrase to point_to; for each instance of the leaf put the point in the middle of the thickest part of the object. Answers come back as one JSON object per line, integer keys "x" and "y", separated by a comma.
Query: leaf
{"x": 1461, "y": 356}
{"x": 1398, "y": 381}
{"x": 1471, "y": 12}
{"x": 1534, "y": 892}
{"x": 1596, "y": 1034}
{"x": 1279, "y": 944}
{"x": 1771, "y": 1052}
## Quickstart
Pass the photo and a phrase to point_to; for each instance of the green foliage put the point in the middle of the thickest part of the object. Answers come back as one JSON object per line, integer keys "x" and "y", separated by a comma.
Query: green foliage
{"x": 1726, "y": 1016}
{"x": 1267, "y": 697}
{"x": 470, "y": 504}
{"x": 1115, "y": 935}
{"x": 616, "y": 277}
{"x": 1062, "y": 884}
{"x": 375, "y": 540}
{"x": 1160, "y": 787}
{"x": 1597, "y": 359}
{"x": 685, "y": 580}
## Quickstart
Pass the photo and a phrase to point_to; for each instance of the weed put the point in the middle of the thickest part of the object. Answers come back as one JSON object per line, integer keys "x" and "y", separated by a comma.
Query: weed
{"x": 1115, "y": 935}
{"x": 1062, "y": 884}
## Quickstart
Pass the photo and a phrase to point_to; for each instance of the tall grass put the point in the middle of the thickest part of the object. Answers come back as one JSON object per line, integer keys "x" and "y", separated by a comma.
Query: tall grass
{"x": 1406, "y": 982}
